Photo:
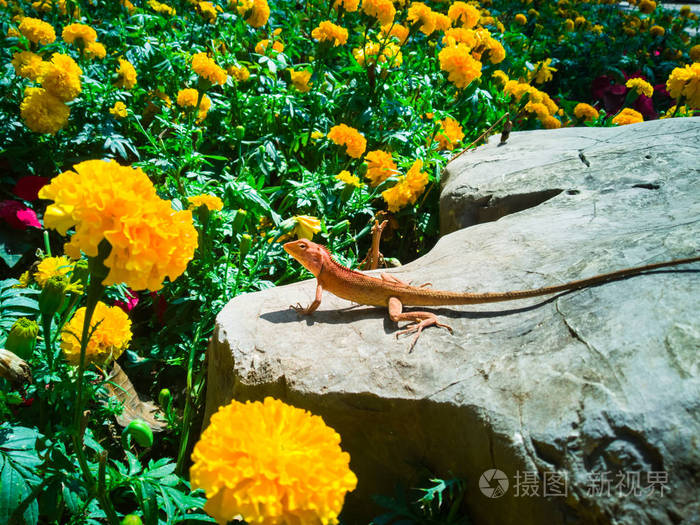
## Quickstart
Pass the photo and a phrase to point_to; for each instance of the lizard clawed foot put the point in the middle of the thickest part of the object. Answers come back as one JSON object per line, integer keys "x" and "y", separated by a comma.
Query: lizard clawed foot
{"x": 418, "y": 328}
{"x": 299, "y": 309}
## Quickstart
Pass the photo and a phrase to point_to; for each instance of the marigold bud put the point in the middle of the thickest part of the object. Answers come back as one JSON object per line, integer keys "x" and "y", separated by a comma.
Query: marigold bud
{"x": 52, "y": 295}
{"x": 131, "y": 519}
{"x": 246, "y": 242}
{"x": 140, "y": 431}
{"x": 164, "y": 397}
{"x": 22, "y": 337}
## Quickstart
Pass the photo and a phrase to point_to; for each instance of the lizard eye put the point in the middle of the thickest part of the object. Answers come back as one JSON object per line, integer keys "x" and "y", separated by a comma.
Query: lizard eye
{"x": 303, "y": 245}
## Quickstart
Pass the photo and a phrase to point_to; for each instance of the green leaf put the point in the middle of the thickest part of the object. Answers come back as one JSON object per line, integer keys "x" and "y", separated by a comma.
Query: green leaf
{"x": 18, "y": 461}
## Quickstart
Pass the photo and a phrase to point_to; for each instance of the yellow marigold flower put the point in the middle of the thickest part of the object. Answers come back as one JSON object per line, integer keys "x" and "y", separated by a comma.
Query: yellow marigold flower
{"x": 464, "y": 13}
{"x": 258, "y": 11}
{"x": 79, "y": 34}
{"x": 350, "y": 6}
{"x": 538, "y": 108}
{"x": 12, "y": 33}
{"x": 119, "y": 109}
{"x": 111, "y": 334}
{"x": 239, "y": 73}
{"x": 580, "y": 21}
{"x": 128, "y": 5}
{"x": 26, "y": 278}
{"x": 37, "y": 31}
{"x": 27, "y": 64}
{"x": 207, "y": 10}
{"x": 407, "y": 190}
{"x": 212, "y": 202}
{"x": 380, "y": 166}
{"x": 459, "y": 63}
{"x": 597, "y": 28}
{"x": 162, "y": 9}
{"x": 449, "y": 134}
{"x": 396, "y": 30}
{"x": 126, "y": 75}
{"x": 568, "y": 25}
{"x": 370, "y": 53}
{"x": 349, "y": 179}
{"x": 316, "y": 135}
{"x": 585, "y": 112}
{"x": 305, "y": 226}
{"x": 419, "y": 13}
{"x": 542, "y": 72}
{"x": 497, "y": 52}
{"x": 327, "y": 31}
{"x": 685, "y": 82}
{"x": 206, "y": 68}
{"x": 352, "y": 139}
{"x": 657, "y": 31}
{"x": 683, "y": 111}
{"x": 271, "y": 463}
{"x": 641, "y": 86}
{"x": 45, "y": 6}
{"x": 520, "y": 19}
{"x": 647, "y": 6}
{"x": 551, "y": 122}
{"x": 627, "y": 116}
{"x": 460, "y": 35}
{"x": 685, "y": 11}
{"x": 262, "y": 46}
{"x": 501, "y": 77}
{"x": 43, "y": 112}
{"x": 382, "y": 10}
{"x": 187, "y": 98}
{"x": 95, "y": 50}
{"x": 105, "y": 201}
{"x": 61, "y": 77}
{"x": 52, "y": 267}
{"x": 300, "y": 79}
{"x": 694, "y": 53}
{"x": 442, "y": 22}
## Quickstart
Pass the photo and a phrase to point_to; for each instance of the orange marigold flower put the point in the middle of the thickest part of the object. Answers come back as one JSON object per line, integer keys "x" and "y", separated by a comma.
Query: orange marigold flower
{"x": 37, "y": 31}
{"x": 300, "y": 79}
{"x": 419, "y": 13}
{"x": 262, "y": 46}
{"x": 162, "y": 9}
{"x": 407, "y": 190}
{"x": 27, "y": 64}
{"x": 352, "y": 139}
{"x": 79, "y": 34}
{"x": 61, "y": 77}
{"x": 496, "y": 51}
{"x": 657, "y": 31}
{"x": 647, "y": 6}
{"x": 327, "y": 31}
{"x": 258, "y": 11}
{"x": 111, "y": 334}
{"x": 585, "y": 112}
{"x": 187, "y": 98}
{"x": 520, "y": 19}
{"x": 212, "y": 202}
{"x": 461, "y": 35}
{"x": 462, "y": 67}
{"x": 501, "y": 77}
{"x": 43, "y": 112}
{"x": 396, "y": 30}
{"x": 105, "y": 201}
{"x": 350, "y": 6}
{"x": 380, "y": 166}
{"x": 269, "y": 462}
{"x": 206, "y": 68}
{"x": 551, "y": 122}
{"x": 126, "y": 75}
{"x": 464, "y": 13}
{"x": 239, "y": 73}
{"x": 627, "y": 116}
{"x": 442, "y": 22}
{"x": 449, "y": 134}
{"x": 382, "y": 10}
{"x": 685, "y": 82}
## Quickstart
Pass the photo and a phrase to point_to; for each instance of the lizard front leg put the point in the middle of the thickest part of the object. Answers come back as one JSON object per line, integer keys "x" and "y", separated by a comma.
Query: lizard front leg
{"x": 420, "y": 320}
{"x": 312, "y": 307}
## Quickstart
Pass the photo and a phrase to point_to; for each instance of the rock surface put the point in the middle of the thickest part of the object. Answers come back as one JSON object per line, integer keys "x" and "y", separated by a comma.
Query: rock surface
{"x": 597, "y": 384}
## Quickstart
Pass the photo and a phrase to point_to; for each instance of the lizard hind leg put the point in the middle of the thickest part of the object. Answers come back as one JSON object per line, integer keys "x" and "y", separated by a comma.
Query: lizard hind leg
{"x": 419, "y": 319}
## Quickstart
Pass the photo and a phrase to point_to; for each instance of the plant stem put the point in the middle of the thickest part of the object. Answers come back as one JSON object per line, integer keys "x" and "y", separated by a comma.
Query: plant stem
{"x": 189, "y": 401}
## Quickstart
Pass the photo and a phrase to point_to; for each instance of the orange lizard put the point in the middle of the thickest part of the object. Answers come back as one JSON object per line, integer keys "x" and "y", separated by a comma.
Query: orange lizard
{"x": 394, "y": 294}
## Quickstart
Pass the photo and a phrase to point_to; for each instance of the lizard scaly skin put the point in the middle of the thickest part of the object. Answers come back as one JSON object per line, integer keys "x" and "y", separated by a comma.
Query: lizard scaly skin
{"x": 390, "y": 292}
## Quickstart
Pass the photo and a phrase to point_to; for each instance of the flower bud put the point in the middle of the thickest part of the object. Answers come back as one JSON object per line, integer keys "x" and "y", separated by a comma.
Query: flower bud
{"x": 246, "y": 242}
{"x": 164, "y": 397}
{"x": 22, "y": 337}
{"x": 52, "y": 295}
{"x": 239, "y": 221}
{"x": 140, "y": 431}
{"x": 131, "y": 519}
{"x": 239, "y": 132}
{"x": 80, "y": 272}
{"x": 341, "y": 227}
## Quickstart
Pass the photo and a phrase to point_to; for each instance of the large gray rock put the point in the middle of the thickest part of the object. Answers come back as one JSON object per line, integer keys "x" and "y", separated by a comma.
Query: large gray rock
{"x": 601, "y": 381}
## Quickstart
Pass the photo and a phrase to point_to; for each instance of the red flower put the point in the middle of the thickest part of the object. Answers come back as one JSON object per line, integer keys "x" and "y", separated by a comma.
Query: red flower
{"x": 130, "y": 303}
{"x": 18, "y": 215}
{"x": 28, "y": 187}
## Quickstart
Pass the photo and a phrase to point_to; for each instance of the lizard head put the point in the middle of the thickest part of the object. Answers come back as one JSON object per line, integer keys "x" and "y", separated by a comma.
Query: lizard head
{"x": 309, "y": 254}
